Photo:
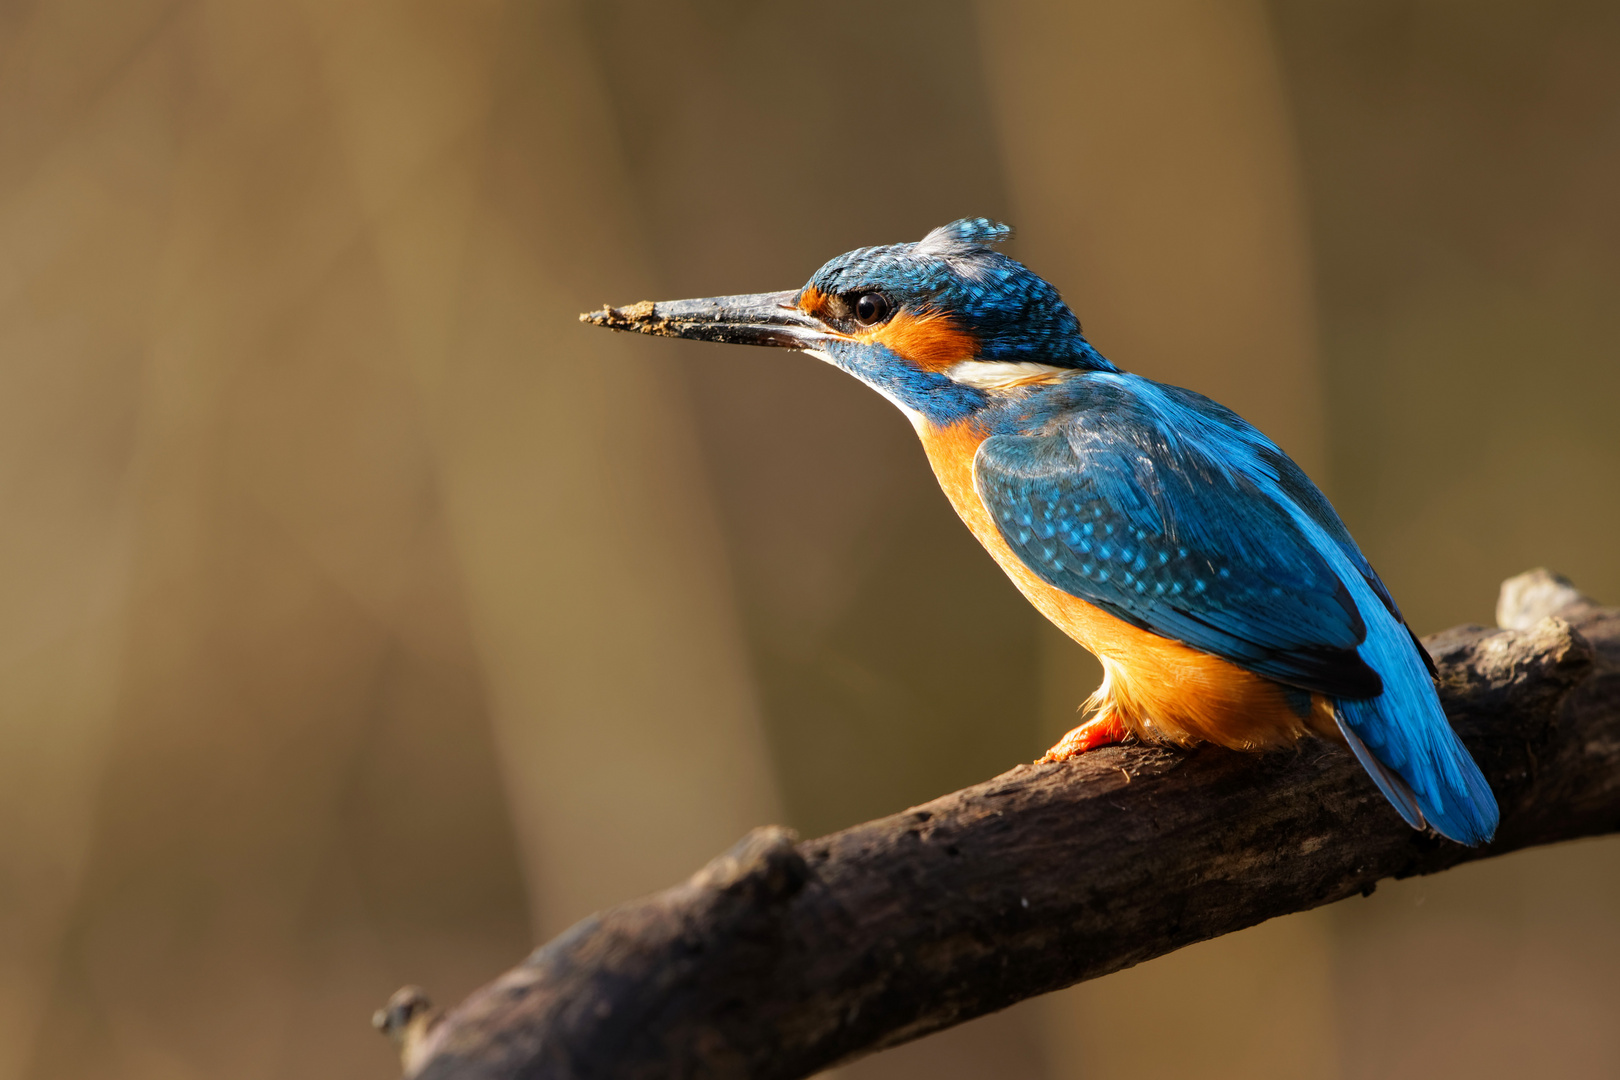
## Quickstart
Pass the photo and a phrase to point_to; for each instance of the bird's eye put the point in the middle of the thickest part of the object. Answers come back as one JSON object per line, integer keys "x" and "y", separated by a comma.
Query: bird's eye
{"x": 871, "y": 309}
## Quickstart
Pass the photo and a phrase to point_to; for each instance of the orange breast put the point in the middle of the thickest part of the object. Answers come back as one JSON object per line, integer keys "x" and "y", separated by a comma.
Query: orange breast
{"x": 1162, "y": 689}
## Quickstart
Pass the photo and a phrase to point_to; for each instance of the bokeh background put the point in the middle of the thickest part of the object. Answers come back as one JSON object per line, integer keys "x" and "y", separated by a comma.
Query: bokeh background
{"x": 365, "y": 619}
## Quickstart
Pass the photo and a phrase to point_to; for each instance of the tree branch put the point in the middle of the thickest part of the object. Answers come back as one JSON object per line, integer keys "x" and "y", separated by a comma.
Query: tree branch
{"x": 779, "y": 959}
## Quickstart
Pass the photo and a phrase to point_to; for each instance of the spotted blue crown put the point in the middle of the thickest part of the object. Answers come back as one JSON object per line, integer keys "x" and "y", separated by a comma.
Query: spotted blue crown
{"x": 1013, "y": 313}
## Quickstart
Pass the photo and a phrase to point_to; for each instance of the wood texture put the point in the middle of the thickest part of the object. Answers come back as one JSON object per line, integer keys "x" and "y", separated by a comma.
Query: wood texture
{"x": 781, "y": 958}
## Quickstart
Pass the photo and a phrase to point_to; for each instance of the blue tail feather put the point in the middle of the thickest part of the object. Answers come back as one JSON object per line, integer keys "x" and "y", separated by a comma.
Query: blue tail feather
{"x": 1430, "y": 775}
{"x": 1396, "y": 790}
{"x": 1404, "y": 736}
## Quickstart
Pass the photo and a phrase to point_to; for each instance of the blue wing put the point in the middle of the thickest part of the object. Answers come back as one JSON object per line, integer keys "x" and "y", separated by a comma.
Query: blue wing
{"x": 1174, "y": 514}
{"x": 1147, "y": 502}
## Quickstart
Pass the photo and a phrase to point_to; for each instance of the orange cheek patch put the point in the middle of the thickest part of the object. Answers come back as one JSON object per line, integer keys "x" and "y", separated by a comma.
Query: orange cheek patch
{"x": 930, "y": 341}
{"x": 813, "y": 302}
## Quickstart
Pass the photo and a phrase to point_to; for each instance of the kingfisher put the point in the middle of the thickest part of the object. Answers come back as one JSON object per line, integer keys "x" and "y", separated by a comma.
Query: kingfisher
{"x": 1224, "y": 597}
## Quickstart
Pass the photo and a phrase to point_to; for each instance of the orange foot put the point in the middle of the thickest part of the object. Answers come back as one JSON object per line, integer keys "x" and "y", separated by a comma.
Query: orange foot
{"x": 1104, "y": 729}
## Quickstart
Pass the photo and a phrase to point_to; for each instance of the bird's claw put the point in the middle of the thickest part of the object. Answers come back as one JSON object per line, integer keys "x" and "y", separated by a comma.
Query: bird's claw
{"x": 1103, "y": 729}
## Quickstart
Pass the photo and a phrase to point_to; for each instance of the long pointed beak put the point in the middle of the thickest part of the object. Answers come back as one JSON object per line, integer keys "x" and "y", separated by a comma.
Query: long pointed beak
{"x": 753, "y": 319}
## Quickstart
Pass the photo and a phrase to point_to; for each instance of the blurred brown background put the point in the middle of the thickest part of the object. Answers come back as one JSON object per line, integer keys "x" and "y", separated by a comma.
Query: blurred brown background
{"x": 364, "y": 619}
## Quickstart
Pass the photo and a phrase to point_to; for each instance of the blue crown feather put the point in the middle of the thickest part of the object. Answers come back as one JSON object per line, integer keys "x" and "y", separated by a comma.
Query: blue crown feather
{"x": 1012, "y": 314}
{"x": 965, "y": 236}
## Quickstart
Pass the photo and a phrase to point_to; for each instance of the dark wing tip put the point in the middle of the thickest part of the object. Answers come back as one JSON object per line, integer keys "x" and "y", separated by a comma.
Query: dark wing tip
{"x": 1344, "y": 674}
{"x": 1422, "y": 651}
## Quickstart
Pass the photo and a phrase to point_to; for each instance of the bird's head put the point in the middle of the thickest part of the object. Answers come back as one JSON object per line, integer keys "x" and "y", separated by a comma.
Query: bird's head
{"x": 940, "y": 327}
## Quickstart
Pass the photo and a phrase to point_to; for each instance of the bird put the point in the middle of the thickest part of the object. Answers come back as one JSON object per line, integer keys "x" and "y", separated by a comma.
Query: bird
{"x": 1215, "y": 583}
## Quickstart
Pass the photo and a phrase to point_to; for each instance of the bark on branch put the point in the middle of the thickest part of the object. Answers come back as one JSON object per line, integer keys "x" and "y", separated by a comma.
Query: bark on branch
{"x": 779, "y": 958}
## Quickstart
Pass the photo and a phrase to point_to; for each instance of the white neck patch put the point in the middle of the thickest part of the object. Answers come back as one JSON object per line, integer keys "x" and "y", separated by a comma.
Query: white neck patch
{"x": 1000, "y": 374}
